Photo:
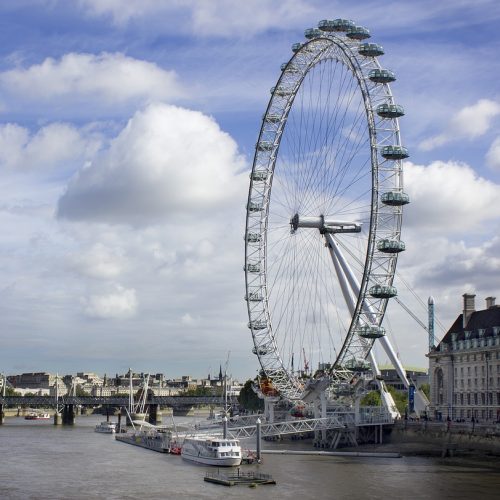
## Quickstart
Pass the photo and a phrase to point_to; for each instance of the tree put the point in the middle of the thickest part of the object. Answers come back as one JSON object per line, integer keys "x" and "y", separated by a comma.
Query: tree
{"x": 80, "y": 392}
{"x": 372, "y": 399}
{"x": 248, "y": 399}
{"x": 426, "y": 389}
{"x": 400, "y": 398}
{"x": 198, "y": 391}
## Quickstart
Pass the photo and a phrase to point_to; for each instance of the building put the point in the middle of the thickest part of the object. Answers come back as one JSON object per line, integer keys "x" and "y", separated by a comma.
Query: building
{"x": 416, "y": 376}
{"x": 464, "y": 367}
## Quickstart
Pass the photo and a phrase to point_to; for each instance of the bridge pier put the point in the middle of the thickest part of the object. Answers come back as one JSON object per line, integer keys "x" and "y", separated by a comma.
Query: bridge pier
{"x": 154, "y": 414}
{"x": 57, "y": 418}
{"x": 68, "y": 414}
{"x": 2, "y": 414}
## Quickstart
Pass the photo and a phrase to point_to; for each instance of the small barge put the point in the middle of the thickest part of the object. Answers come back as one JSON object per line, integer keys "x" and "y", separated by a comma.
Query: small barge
{"x": 238, "y": 478}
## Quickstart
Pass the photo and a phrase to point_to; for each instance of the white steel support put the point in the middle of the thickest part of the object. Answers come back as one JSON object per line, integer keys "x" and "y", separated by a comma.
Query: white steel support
{"x": 345, "y": 274}
{"x": 420, "y": 400}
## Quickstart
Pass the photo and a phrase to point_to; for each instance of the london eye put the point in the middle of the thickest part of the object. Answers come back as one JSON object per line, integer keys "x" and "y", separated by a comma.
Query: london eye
{"x": 324, "y": 210}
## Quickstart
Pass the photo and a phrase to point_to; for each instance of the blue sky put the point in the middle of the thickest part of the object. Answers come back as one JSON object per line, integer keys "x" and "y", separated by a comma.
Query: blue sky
{"x": 100, "y": 266}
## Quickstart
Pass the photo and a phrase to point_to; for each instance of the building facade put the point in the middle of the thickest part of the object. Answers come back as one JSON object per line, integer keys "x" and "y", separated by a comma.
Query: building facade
{"x": 464, "y": 367}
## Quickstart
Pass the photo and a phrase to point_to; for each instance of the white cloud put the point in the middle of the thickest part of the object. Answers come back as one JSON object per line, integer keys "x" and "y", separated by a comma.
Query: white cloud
{"x": 98, "y": 262}
{"x": 449, "y": 198}
{"x": 166, "y": 163}
{"x": 219, "y": 18}
{"x": 469, "y": 123}
{"x": 119, "y": 304}
{"x": 107, "y": 78}
{"x": 54, "y": 146}
{"x": 493, "y": 155}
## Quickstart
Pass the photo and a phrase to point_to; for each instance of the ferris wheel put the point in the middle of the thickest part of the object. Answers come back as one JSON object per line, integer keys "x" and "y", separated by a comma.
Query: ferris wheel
{"x": 324, "y": 210}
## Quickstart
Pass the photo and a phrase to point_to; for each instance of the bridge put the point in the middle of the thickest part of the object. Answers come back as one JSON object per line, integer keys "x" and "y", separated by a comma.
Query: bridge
{"x": 65, "y": 405}
{"x": 170, "y": 401}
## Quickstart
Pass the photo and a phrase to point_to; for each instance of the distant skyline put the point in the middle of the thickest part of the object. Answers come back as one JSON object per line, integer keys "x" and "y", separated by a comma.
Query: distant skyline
{"x": 127, "y": 132}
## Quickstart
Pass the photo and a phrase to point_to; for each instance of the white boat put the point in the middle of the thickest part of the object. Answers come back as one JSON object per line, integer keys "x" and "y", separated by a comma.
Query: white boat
{"x": 106, "y": 427}
{"x": 212, "y": 451}
{"x": 37, "y": 416}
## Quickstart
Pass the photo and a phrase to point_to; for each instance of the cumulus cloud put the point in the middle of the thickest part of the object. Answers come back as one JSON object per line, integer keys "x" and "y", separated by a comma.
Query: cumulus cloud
{"x": 469, "y": 123}
{"x": 119, "y": 304}
{"x": 98, "y": 262}
{"x": 167, "y": 162}
{"x": 107, "y": 78}
{"x": 53, "y": 146}
{"x": 220, "y": 18}
{"x": 493, "y": 155}
{"x": 449, "y": 197}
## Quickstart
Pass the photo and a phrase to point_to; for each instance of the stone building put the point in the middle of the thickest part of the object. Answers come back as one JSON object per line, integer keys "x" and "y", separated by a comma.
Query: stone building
{"x": 464, "y": 367}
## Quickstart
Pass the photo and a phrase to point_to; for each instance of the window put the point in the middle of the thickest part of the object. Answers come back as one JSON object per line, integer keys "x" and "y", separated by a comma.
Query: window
{"x": 475, "y": 398}
{"x": 468, "y": 399}
{"x": 483, "y": 398}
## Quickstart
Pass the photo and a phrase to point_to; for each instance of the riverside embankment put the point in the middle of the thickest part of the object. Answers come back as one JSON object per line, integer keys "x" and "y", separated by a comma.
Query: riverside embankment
{"x": 427, "y": 438}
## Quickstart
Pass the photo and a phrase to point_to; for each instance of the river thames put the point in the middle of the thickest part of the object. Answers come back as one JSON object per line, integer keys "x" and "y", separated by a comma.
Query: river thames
{"x": 42, "y": 461}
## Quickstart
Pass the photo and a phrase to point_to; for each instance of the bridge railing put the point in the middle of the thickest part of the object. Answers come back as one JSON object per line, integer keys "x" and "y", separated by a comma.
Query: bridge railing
{"x": 49, "y": 401}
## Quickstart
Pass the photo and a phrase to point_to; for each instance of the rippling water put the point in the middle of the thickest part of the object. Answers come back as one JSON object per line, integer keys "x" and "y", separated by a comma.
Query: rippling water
{"x": 42, "y": 461}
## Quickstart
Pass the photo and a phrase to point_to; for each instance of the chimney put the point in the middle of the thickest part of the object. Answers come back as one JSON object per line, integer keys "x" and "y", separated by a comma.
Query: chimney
{"x": 469, "y": 307}
{"x": 490, "y": 302}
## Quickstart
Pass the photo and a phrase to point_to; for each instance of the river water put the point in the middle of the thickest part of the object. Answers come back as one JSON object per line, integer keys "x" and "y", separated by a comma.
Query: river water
{"x": 41, "y": 461}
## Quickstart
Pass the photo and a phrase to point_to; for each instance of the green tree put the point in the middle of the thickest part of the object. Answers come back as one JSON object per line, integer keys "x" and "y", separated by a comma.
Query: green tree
{"x": 198, "y": 391}
{"x": 426, "y": 389}
{"x": 80, "y": 392}
{"x": 10, "y": 391}
{"x": 372, "y": 399}
{"x": 248, "y": 399}
{"x": 400, "y": 398}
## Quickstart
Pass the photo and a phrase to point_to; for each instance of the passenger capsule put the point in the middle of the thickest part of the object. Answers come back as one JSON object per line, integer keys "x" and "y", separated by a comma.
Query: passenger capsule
{"x": 253, "y": 237}
{"x": 253, "y": 206}
{"x": 395, "y": 198}
{"x": 381, "y": 76}
{"x": 280, "y": 91}
{"x": 259, "y": 324}
{"x": 336, "y": 25}
{"x": 370, "y": 50}
{"x": 289, "y": 68}
{"x": 254, "y": 297}
{"x": 391, "y": 246}
{"x": 264, "y": 146}
{"x": 311, "y": 33}
{"x": 272, "y": 118}
{"x": 357, "y": 365}
{"x": 253, "y": 268}
{"x": 261, "y": 350}
{"x": 358, "y": 33}
{"x": 383, "y": 291}
{"x": 296, "y": 47}
{"x": 371, "y": 331}
{"x": 390, "y": 110}
{"x": 394, "y": 152}
{"x": 259, "y": 175}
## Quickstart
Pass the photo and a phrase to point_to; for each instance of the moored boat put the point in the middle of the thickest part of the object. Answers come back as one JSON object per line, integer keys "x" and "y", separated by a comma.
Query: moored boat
{"x": 208, "y": 450}
{"x": 151, "y": 437}
{"x": 106, "y": 427}
{"x": 37, "y": 416}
